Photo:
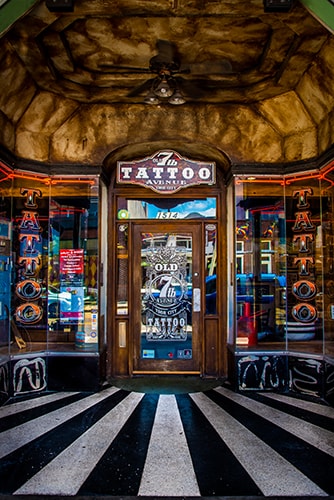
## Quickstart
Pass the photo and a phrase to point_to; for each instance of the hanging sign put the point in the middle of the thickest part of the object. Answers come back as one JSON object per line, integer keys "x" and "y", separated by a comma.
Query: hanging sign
{"x": 165, "y": 172}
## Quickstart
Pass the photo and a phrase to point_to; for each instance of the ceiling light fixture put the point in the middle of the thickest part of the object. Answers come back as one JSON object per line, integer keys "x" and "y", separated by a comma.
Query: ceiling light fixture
{"x": 277, "y": 5}
{"x": 60, "y": 5}
{"x": 164, "y": 89}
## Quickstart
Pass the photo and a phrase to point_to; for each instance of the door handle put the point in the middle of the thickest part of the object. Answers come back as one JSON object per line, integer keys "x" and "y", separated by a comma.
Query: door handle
{"x": 196, "y": 300}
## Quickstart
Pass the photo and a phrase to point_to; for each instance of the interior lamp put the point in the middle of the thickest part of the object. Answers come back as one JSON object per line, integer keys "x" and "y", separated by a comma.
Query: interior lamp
{"x": 162, "y": 88}
{"x": 151, "y": 98}
{"x": 177, "y": 98}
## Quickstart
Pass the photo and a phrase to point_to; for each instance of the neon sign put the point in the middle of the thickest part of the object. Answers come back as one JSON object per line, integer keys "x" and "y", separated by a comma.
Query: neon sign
{"x": 304, "y": 290}
{"x": 29, "y": 289}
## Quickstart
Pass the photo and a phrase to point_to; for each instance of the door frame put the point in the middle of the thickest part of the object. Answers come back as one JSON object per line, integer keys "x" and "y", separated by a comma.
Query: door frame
{"x": 214, "y": 346}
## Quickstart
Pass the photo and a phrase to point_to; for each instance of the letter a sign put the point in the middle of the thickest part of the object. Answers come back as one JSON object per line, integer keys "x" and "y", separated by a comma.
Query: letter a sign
{"x": 165, "y": 172}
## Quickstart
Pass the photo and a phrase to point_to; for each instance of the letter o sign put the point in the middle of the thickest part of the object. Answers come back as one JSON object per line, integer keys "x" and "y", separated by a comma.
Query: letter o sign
{"x": 305, "y": 313}
{"x": 29, "y": 313}
{"x": 204, "y": 173}
{"x": 28, "y": 289}
{"x": 187, "y": 173}
{"x": 304, "y": 290}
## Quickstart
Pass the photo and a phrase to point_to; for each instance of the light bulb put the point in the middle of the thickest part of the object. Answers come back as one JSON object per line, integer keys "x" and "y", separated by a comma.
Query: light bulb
{"x": 163, "y": 89}
{"x": 177, "y": 98}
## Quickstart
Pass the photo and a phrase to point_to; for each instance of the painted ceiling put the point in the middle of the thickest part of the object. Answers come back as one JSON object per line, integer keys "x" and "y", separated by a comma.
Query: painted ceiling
{"x": 268, "y": 75}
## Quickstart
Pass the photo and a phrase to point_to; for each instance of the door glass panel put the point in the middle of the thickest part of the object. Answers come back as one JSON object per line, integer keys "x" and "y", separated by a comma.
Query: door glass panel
{"x": 166, "y": 296}
{"x": 210, "y": 267}
{"x": 166, "y": 208}
{"x": 122, "y": 269}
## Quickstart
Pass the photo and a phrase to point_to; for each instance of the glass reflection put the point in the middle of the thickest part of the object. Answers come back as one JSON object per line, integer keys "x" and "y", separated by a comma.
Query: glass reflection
{"x": 166, "y": 208}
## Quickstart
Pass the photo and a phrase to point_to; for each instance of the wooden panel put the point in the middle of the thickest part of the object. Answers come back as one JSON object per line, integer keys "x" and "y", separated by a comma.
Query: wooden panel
{"x": 211, "y": 347}
{"x": 121, "y": 340}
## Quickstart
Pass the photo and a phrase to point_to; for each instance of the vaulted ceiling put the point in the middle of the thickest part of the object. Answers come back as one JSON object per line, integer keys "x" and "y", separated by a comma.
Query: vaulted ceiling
{"x": 258, "y": 86}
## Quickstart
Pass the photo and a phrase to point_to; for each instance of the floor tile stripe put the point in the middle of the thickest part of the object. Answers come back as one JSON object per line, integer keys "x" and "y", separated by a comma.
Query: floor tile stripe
{"x": 20, "y": 465}
{"x": 217, "y": 470}
{"x": 168, "y": 468}
{"x": 119, "y": 471}
{"x": 66, "y": 473}
{"x": 260, "y": 461}
{"x": 22, "y": 417}
{"x": 18, "y": 436}
{"x": 28, "y": 404}
{"x": 312, "y": 462}
{"x": 287, "y": 406}
{"x": 121, "y": 444}
{"x": 317, "y": 408}
{"x": 322, "y": 439}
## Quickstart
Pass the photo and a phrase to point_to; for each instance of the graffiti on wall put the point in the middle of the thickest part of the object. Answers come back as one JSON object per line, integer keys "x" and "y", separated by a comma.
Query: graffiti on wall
{"x": 306, "y": 375}
{"x": 329, "y": 382}
{"x": 29, "y": 375}
{"x": 261, "y": 372}
{"x": 4, "y": 385}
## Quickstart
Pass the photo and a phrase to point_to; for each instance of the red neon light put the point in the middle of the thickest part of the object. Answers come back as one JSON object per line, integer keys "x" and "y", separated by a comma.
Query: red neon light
{"x": 47, "y": 180}
{"x": 287, "y": 180}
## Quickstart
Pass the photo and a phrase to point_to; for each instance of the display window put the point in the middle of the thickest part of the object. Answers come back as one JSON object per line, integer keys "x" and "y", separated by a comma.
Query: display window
{"x": 284, "y": 263}
{"x": 5, "y": 273}
{"x": 260, "y": 256}
{"x": 49, "y": 236}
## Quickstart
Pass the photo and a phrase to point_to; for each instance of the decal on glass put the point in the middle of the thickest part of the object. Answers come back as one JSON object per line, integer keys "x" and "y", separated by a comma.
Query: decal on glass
{"x": 165, "y": 300}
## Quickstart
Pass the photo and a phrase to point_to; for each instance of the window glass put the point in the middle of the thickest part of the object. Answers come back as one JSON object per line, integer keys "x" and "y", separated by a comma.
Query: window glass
{"x": 325, "y": 300}
{"x": 122, "y": 269}
{"x": 5, "y": 265}
{"x": 284, "y": 262}
{"x": 260, "y": 263}
{"x": 30, "y": 262}
{"x": 304, "y": 264}
{"x": 166, "y": 208}
{"x": 211, "y": 269}
{"x": 167, "y": 293}
{"x": 54, "y": 230}
{"x": 73, "y": 265}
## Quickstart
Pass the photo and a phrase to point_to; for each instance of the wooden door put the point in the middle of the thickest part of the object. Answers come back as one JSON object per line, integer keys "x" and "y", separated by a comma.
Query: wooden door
{"x": 166, "y": 296}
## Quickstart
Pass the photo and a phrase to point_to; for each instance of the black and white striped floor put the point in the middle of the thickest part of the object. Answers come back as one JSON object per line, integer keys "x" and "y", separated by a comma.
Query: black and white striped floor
{"x": 120, "y": 443}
